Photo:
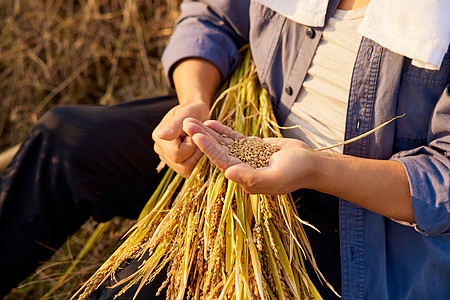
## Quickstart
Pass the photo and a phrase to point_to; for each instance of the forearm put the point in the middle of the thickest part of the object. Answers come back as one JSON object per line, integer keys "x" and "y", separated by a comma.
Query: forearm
{"x": 380, "y": 186}
{"x": 196, "y": 79}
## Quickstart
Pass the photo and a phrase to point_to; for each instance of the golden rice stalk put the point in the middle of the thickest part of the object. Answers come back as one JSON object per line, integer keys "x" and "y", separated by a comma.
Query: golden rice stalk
{"x": 217, "y": 241}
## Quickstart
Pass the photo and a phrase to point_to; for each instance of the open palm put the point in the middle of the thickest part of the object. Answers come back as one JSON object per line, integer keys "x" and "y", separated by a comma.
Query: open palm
{"x": 287, "y": 171}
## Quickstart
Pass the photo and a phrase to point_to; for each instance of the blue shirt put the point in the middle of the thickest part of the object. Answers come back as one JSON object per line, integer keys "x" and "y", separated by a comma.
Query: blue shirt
{"x": 380, "y": 258}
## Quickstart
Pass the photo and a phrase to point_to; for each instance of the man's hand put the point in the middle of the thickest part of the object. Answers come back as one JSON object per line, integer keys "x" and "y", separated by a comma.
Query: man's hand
{"x": 196, "y": 81}
{"x": 172, "y": 144}
{"x": 289, "y": 168}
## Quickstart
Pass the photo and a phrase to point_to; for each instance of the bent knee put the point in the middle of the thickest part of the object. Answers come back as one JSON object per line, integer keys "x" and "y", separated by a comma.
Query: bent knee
{"x": 65, "y": 123}
{"x": 59, "y": 116}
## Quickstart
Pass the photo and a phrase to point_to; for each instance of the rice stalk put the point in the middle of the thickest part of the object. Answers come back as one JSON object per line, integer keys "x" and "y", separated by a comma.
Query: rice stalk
{"x": 216, "y": 240}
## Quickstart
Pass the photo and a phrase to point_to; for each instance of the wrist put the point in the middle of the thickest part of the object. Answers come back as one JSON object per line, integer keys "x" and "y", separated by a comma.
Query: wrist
{"x": 197, "y": 99}
{"x": 196, "y": 108}
{"x": 321, "y": 164}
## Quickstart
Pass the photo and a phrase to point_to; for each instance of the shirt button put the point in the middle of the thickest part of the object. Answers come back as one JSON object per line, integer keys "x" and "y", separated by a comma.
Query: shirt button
{"x": 311, "y": 33}
{"x": 369, "y": 52}
{"x": 288, "y": 90}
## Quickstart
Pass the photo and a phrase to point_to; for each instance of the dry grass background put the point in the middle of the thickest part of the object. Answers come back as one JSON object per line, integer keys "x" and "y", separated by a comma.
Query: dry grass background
{"x": 61, "y": 52}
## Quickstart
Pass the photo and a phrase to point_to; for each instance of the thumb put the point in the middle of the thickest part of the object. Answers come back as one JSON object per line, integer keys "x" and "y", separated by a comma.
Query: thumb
{"x": 242, "y": 174}
{"x": 253, "y": 181}
{"x": 171, "y": 129}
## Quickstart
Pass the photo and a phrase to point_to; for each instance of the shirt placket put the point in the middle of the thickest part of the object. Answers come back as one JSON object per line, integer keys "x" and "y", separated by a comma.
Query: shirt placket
{"x": 360, "y": 117}
{"x": 299, "y": 70}
{"x": 296, "y": 76}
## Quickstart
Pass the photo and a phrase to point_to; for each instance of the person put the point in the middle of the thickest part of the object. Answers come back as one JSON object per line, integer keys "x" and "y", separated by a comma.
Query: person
{"x": 382, "y": 203}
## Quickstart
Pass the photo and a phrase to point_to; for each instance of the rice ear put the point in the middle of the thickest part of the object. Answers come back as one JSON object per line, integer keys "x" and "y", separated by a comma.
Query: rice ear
{"x": 217, "y": 240}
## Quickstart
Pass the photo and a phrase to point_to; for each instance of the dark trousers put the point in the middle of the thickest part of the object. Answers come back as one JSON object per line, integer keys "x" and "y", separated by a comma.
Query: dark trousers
{"x": 77, "y": 162}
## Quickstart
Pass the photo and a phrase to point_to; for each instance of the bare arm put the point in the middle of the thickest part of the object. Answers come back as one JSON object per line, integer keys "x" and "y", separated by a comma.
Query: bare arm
{"x": 380, "y": 186}
{"x": 196, "y": 79}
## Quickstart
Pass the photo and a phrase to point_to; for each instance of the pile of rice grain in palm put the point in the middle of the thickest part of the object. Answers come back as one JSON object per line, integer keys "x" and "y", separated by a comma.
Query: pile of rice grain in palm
{"x": 252, "y": 151}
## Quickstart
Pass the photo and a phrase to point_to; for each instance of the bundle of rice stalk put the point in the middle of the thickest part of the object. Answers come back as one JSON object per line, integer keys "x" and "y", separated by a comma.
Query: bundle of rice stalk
{"x": 215, "y": 240}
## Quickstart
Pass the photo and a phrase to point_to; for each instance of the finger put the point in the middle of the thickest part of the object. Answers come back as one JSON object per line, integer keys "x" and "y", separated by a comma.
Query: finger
{"x": 171, "y": 129}
{"x": 172, "y": 148}
{"x": 223, "y": 130}
{"x": 186, "y": 167}
{"x": 217, "y": 153}
{"x": 177, "y": 150}
{"x": 185, "y": 150}
{"x": 192, "y": 126}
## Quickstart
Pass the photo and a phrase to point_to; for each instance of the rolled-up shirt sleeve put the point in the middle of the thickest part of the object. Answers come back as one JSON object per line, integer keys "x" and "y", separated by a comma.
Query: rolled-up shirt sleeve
{"x": 428, "y": 170}
{"x": 213, "y": 31}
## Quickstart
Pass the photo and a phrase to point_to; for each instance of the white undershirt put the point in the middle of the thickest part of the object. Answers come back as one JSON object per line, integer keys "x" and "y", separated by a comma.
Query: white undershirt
{"x": 416, "y": 29}
{"x": 321, "y": 106}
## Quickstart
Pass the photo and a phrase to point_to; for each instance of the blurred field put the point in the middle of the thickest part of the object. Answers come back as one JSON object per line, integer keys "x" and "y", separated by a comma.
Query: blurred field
{"x": 60, "y": 52}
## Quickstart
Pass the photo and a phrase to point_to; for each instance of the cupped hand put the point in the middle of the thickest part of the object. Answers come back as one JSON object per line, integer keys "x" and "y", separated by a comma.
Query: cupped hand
{"x": 289, "y": 169}
{"x": 172, "y": 144}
